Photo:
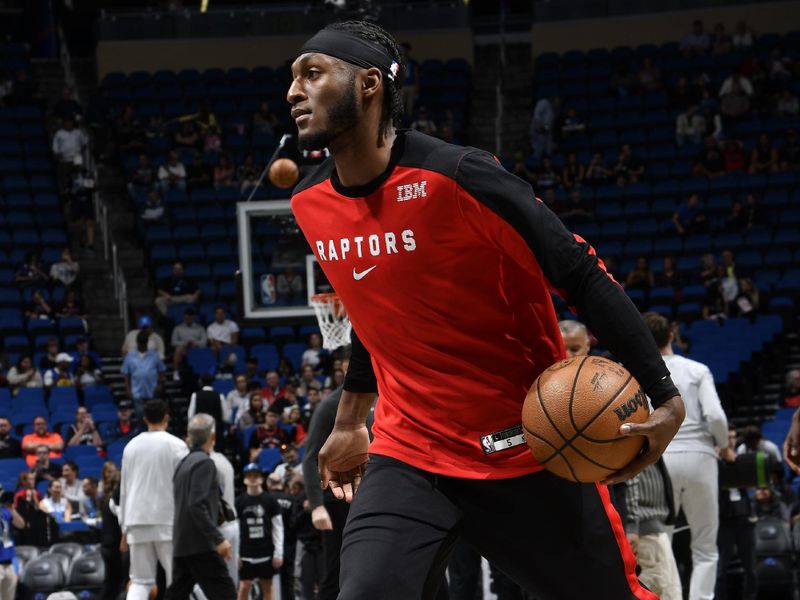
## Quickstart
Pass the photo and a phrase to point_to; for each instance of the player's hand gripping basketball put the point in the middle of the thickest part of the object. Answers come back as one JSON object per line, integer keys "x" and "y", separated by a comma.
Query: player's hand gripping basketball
{"x": 659, "y": 429}
{"x": 342, "y": 460}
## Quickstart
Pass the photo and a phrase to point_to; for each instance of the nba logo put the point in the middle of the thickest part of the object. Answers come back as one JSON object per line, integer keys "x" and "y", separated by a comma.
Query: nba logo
{"x": 486, "y": 442}
{"x": 268, "y": 295}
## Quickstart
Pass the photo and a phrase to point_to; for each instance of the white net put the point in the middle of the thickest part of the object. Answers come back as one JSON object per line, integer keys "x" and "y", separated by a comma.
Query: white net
{"x": 333, "y": 321}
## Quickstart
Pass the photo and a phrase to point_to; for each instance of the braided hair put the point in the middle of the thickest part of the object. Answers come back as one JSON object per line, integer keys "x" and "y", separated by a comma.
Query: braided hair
{"x": 392, "y": 112}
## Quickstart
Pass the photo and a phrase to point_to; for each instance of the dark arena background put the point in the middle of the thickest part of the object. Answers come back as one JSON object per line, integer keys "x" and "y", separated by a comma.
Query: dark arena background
{"x": 134, "y": 137}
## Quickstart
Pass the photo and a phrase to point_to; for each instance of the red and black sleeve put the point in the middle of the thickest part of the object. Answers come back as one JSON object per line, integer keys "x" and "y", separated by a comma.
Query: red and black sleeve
{"x": 503, "y": 209}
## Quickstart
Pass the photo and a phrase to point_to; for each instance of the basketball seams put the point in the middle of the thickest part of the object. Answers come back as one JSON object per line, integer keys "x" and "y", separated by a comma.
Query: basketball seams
{"x": 544, "y": 410}
{"x": 572, "y": 392}
{"x": 579, "y": 432}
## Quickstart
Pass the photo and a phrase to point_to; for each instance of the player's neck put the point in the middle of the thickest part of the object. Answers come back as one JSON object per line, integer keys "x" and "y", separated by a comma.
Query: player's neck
{"x": 254, "y": 490}
{"x": 362, "y": 156}
{"x": 667, "y": 350}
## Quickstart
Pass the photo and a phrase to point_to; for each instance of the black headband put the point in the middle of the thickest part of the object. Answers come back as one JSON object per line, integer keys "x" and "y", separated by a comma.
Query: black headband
{"x": 353, "y": 49}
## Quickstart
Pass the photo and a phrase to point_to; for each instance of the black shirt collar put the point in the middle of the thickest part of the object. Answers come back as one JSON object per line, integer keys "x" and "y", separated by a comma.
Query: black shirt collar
{"x": 359, "y": 191}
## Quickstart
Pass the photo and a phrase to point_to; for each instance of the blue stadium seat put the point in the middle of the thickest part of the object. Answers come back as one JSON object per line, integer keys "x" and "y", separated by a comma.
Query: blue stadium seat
{"x": 201, "y": 360}
{"x": 266, "y": 355}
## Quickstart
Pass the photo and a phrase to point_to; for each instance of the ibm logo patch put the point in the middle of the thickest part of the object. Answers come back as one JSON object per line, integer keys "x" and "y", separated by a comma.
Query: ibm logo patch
{"x": 411, "y": 191}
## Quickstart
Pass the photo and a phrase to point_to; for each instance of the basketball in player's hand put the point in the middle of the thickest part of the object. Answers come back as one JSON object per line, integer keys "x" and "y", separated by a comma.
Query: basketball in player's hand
{"x": 283, "y": 173}
{"x": 573, "y": 413}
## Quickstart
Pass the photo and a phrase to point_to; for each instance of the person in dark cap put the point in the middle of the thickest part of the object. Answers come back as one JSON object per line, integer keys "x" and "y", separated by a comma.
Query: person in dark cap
{"x": 261, "y": 534}
{"x": 154, "y": 341}
{"x": 268, "y": 435}
{"x": 124, "y": 428}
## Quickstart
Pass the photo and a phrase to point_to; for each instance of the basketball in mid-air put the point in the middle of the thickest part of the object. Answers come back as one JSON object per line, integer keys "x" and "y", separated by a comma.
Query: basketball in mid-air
{"x": 572, "y": 416}
{"x": 284, "y": 173}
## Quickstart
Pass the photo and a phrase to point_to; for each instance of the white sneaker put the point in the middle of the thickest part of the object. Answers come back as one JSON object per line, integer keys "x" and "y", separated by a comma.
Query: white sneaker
{"x": 176, "y": 376}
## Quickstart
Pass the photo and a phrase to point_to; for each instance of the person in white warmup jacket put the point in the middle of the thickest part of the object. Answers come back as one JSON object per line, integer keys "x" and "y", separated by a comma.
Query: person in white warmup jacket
{"x": 147, "y": 507}
{"x": 691, "y": 457}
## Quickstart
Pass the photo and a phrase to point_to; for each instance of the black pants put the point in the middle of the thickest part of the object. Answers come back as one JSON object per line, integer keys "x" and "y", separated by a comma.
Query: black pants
{"x": 554, "y": 538}
{"x": 332, "y": 549}
{"x": 312, "y": 565}
{"x": 208, "y": 570}
{"x": 112, "y": 558}
{"x": 464, "y": 569}
{"x": 287, "y": 577}
{"x": 739, "y": 534}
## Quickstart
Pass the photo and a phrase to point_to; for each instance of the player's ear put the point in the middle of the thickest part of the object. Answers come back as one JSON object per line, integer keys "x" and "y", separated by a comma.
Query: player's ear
{"x": 370, "y": 82}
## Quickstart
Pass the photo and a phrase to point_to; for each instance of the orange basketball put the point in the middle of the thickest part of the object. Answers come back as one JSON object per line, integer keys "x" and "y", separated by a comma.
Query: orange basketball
{"x": 573, "y": 413}
{"x": 284, "y": 173}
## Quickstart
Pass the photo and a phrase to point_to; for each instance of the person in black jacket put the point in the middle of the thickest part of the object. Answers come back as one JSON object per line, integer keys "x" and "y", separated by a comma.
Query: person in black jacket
{"x": 199, "y": 550}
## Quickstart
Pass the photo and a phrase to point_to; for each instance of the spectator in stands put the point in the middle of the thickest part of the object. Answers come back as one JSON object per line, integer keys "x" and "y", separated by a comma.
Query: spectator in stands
{"x": 188, "y": 334}
{"x": 546, "y": 176}
{"x": 89, "y": 505}
{"x": 55, "y": 504}
{"x": 70, "y": 306}
{"x": 128, "y": 132}
{"x": 153, "y": 212}
{"x": 65, "y": 272}
{"x": 71, "y": 485}
{"x": 124, "y": 428}
{"x": 576, "y": 337}
{"x": 690, "y": 217}
{"x": 336, "y": 378}
{"x": 41, "y": 437}
{"x": 710, "y": 164}
{"x": 735, "y": 97}
{"x": 154, "y": 341}
{"x": 708, "y": 269}
{"x": 144, "y": 373}
{"x": 736, "y": 221}
{"x": 790, "y": 153}
{"x": 690, "y": 126}
{"x": 787, "y": 104}
{"x": 630, "y": 167}
{"x": 521, "y": 169}
{"x": 273, "y": 389}
{"x": 199, "y": 172}
{"x": 81, "y": 206}
{"x": 247, "y": 173}
{"x": 172, "y": 175}
{"x": 670, "y": 276}
{"x": 541, "y": 128}
{"x": 25, "y": 491}
{"x": 684, "y": 94}
{"x": 753, "y": 441}
{"x": 697, "y": 42}
{"x": 312, "y": 354}
{"x": 61, "y": 375}
{"x": 743, "y": 38}
{"x": 649, "y": 76}
{"x": 573, "y": 173}
{"x": 208, "y": 401}
{"x": 294, "y": 418}
{"x": 24, "y": 375}
{"x": 44, "y": 469}
{"x": 212, "y": 142}
{"x": 268, "y": 435}
{"x": 238, "y": 399}
{"x": 109, "y": 478}
{"x": 10, "y": 447}
{"x": 255, "y": 414}
{"x": 720, "y": 41}
{"x": 87, "y": 372}
{"x": 203, "y": 118}
{"x": 313, "y": 398}
{"x": 792, "y": 396}
{"x": 641, "y": 278}
{"x": 38, "y": 307}
{"x": 83, "y": 432}
{"x": 622, "y": 80}
{"x": 715, "y": 307}
{"x": 577, "y": 211}
{"x": 289, "y": 285}
{"x": 67, "y": 107}
{"x": 747, "y": 300}
{"x": 768, "y": 504}
{"x": 597, "y": 172}
{"x": 764, "y": 157}
{"x": 713, "y": 120}
{"x": 187, "y": 136}
{"x": 30, "y": 272}
{"x": 264, "y": 121}
{"x": 424, "y": 122}
{"x": 143, "y": 179}
{"x": 224, "y": 172}
{"x": 571, "y": 126}
{"x": 290, "y": 466}
{"x": 10, "y": 519}
{"x": 733, "y": 155}
{"x": 48, "y": 361}
{"x": 82, "y": 349}
{"x": 308, "y": 380}
{"x": 69, "y": 144}
{"x": 222, "y": 331}
{"x": 177, "y": 289}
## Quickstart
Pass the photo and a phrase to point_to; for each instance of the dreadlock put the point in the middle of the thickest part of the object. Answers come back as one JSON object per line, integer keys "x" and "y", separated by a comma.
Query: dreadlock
{"x": 392, "y": 112}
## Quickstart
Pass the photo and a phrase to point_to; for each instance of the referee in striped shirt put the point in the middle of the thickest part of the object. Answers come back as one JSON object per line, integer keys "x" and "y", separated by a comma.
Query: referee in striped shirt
{"x": 650, "y": 510}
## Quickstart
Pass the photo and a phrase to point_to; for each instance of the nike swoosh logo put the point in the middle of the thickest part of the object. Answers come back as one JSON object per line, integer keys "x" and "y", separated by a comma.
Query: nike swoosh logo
{"x": 359, "y": 276}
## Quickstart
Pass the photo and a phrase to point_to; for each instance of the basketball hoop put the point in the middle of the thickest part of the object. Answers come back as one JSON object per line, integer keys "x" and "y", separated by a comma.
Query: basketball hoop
{"x": 333, "y": 321}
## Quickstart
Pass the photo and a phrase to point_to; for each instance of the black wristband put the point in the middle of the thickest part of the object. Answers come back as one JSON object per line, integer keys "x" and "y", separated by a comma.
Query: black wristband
{"x": 661, "y": 391}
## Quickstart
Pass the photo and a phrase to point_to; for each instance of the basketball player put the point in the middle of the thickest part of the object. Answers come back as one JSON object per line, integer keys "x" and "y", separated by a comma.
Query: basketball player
{"x": 445, "y": 261}
{"x": 691, "y": 457}
{"x": 576, "y": 338}
{"x": 146, "y": 507}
